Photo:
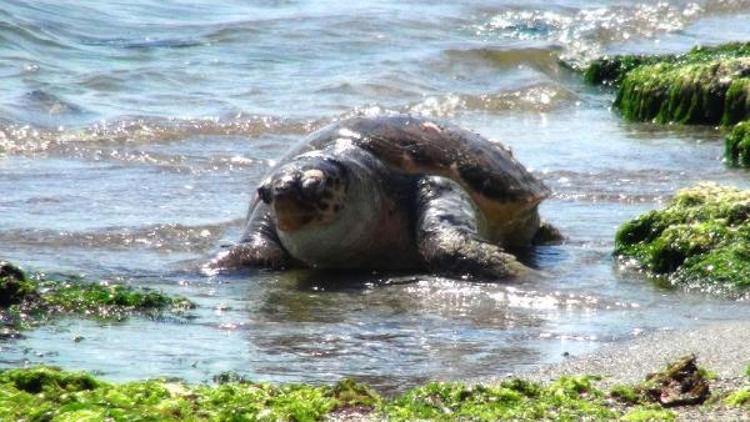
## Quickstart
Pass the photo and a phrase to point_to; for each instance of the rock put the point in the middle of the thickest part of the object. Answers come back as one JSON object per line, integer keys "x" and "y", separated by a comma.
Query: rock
{"x": 705, "y": 86}
{"x": 26, "y": 302}
{"x": 738, "y": 145}
{"x": 14, "y": 286}
{"x": 681, "y": 383}
{"x": 708, "y": 93}
{"x": 700, "y": 240}
{"x": 610, "y": 70}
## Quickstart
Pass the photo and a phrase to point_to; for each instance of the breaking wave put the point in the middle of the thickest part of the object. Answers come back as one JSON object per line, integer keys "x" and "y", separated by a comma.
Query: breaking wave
{"x": 18, "y": 138}
{"x": 161, "y": 237}
{"x": 586, "y": 32}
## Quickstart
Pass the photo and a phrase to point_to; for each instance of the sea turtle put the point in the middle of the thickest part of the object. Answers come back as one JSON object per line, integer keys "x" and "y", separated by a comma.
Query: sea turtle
{"x": 393, "y": 192}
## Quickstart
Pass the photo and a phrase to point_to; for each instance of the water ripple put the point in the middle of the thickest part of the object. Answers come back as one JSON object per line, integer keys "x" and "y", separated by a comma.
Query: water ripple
{"x": 161, "y": 237}
{"x": 586, "y": 32}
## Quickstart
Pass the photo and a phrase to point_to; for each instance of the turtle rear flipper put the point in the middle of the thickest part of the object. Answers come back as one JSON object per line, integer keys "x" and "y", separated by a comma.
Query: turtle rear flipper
{"x": 449, "y": 234}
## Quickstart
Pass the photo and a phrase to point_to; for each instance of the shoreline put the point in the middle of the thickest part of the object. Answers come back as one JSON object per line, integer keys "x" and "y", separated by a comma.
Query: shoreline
{"x": 581, "y": 387}
{"x": 721, "y": 347}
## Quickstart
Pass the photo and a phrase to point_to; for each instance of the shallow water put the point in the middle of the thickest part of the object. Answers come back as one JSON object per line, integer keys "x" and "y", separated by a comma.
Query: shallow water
{"x": 133, "y": 133}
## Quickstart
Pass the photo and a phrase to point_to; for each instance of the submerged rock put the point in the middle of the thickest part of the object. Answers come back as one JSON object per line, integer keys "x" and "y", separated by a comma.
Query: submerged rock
{"x": 705, "y": 86}
{"x": 738, "y": 145}
{"x": 26, "y": 302}
{"x": 700, "y": 240}
{"x": 14, "y": 287}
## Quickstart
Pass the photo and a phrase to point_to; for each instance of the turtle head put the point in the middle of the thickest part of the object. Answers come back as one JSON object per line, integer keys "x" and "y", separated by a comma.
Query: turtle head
{"x": 306, "y": 192}
{"x": 327, "y": 207}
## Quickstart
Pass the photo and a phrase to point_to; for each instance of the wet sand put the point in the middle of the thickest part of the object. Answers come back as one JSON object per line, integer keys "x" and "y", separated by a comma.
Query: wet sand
{"x": 722, "y": 347}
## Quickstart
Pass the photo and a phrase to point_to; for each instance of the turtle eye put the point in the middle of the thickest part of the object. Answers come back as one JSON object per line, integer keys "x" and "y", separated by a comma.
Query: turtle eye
{"x": 311, "y": 185}
{"x": 312, "y": 182}
{"x": 264, "y": 193}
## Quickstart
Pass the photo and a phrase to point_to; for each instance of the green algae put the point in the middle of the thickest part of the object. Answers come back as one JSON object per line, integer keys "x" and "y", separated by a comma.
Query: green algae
{"x": 688, "y": 93}
{"x": 737, "y": 101}
{"x": 45, "y": 393}
{"x": 49, "y": 393}
{"x": 610, "y": 70}
{"x": 568, "y": 398}
{"x": 707, "y": 85}
{"x": 15, "y": 287}
{"x": 739, "y": 398}
{"x": 626, "y": 394}
{"x": 700, "y": 240}
{"x": 648, "y": 413}
{"x": 26, "y": 302}
{"x": 106, "y": 301}
{"x": 738, "y": 145}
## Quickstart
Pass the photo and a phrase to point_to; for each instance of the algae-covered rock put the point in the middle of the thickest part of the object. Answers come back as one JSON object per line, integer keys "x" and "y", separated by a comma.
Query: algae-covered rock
{"x": 25, "y": 302}
{"x": 700, "y": 240}
{"x": 610, "y": 70}
{"x": 44, "y": 393}
{"x": 48, "y": 393}
{"x": 738, "y": 145}
{"x": 712, "y": 92}
{"x": 680, "y": 383}
{"x": 704, "y": 86}
{"x": 14, "y": 286}
{"x": 567, "y": 398}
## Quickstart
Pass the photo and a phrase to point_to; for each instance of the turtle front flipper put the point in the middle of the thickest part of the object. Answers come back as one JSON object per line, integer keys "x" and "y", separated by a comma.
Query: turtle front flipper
{"x": 259, "y": 246}
{"x": 259, "y": 253}
{"x": 449, "y": 234}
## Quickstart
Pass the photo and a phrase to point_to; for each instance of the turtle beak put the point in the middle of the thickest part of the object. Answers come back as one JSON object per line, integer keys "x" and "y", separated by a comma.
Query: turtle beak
{"x": 291, "y": 210}
{"x": 291, "y": 214}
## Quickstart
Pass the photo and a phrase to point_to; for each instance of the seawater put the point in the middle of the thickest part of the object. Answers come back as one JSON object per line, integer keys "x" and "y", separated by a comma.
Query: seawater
{"x": 132, "y": 135}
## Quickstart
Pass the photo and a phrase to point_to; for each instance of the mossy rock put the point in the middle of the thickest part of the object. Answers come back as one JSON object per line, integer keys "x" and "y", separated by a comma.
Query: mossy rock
{"x": 705, "y": 86}
{"x": 14, "y": 286}
{"x": 700, "y": 240}
{"x": 610, "y": 70}
{"x": 681, "y": 383}
{"x": 45, "y": 393}
{"x": 738, "y": 145}
{"x": 26, "y": 302}
{"x": 49, "y": 393}
{"x": 713, "y": 92}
